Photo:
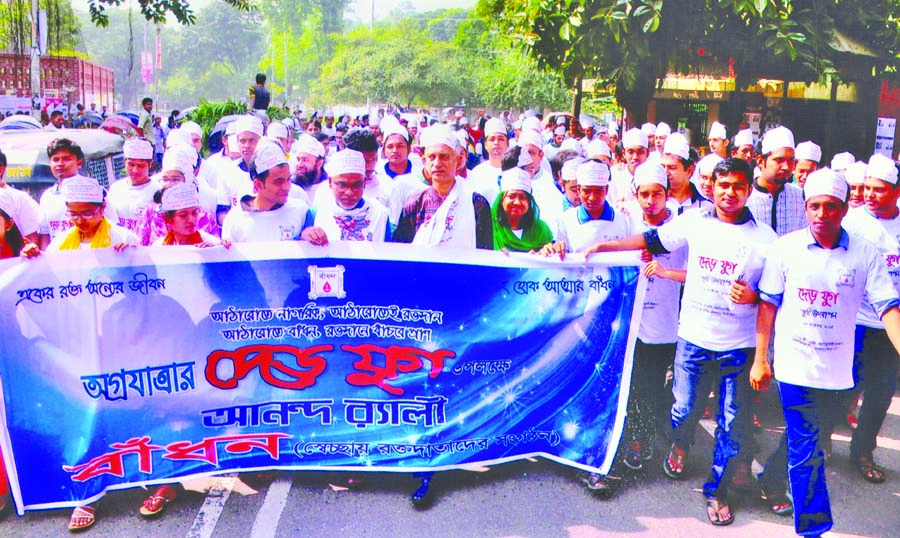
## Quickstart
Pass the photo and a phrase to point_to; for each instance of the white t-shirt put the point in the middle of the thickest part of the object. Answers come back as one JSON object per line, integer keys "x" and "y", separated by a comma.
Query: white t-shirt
{"x": 718, "y": 254}
{"x": 821, "y": 291}
{"x": 117, "y": 233}
{"x": 659, "y": 320}
{"x": 885, "y": 235}
{"x": 26, "y": 212}
{"x": 243, "y": 225}
{"x": 233, "y": 184}
{"x": 367, "y": 222}
{"x": 580, "y": 231}
{"x": 485, "y": 180}
{"x": 621, "y": 186}
{"x": 53, "y": 212}
{"x": 548, "y": 198}
{"x": 129, "y": 201}
{"x": 404, "y": 188}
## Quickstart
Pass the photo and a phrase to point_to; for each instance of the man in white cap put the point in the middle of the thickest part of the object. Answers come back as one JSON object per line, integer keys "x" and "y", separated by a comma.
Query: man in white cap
{"x": 553, "y": 147}
{"x": 841, "y": 161}
{"x": 649, "y": 129}
{"x": 308, "y": 155}
{"x": 270, "y": 214}
{"x": 594, "y": 220}
{"x": 485, "y": 178}
{"x": 705, "y": 178}
{"x": 328, "y": 126}
{"x": 347, "y": 215}
{"x": 396, "y": 151}
{"x": 876, "y": 363}
{"x": 826, "y": 271}
{"x": 775, "y": 200}
{"x": 448, "y": 213}
{"x": 636, "y": 150}
{"x": 659, "y": 139}
{"x": 726, "y": 251}
{"x": 195, "y": 132}
{"x": 808, "y": 155}
{"x": 743, "y": 147}
{"x": 589, "y": 130}
{"x": 234, "y": 181}
{"x": 24, "y": 211}
{"x": 718, "y": 139}
{"x": 66, "y": 159}
{"x": 679, "y": 165}
{"x": 279, "y": 131}
{"x": 130, "y": 196}
{"x": 855, "y": 174}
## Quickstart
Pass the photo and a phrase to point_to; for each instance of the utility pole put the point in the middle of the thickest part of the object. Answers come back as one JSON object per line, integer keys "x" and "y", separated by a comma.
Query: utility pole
{"x": 35, "y": 66}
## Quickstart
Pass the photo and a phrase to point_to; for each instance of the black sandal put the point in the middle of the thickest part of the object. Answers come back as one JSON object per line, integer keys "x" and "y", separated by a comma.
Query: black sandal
{"x": 717, "y": 505}
{"x": 870, "y": 470}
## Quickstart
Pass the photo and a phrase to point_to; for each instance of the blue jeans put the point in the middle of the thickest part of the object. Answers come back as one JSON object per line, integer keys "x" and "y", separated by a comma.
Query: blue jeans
{"x": 695, "y": 371}
{"x": 804, "y": 410}
{"x": 875, "y": 368}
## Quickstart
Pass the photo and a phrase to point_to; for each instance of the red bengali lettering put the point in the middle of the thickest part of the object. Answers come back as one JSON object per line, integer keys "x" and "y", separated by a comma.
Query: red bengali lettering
{"x": 111, "y": 462}
{"x": 397, "y": 360}
{"x": 262, "y": 357}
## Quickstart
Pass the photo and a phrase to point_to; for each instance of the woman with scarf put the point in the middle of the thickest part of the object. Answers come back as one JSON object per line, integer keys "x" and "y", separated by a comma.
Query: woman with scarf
{"x": 517, "y": 223}
{"x": 180, "y": 206}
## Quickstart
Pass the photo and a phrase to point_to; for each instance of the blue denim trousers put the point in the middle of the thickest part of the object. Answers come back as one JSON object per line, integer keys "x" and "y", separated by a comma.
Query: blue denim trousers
{"x": 804, "y": 411}
{"x": 696, "y": 371}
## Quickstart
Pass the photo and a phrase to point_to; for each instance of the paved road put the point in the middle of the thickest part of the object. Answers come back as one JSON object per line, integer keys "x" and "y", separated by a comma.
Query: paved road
{"x": 522, "y": 499}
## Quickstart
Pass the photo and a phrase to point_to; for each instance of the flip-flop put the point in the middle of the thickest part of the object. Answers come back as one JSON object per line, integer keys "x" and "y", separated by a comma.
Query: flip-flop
{"x": 778, "y": 503}
{"x": 717, "y": 505}
{"x": 870, "y": 470}
{"x": 82, "y": 518}
{"x": 673, "y": 465}
{"x": 156, "y": 503}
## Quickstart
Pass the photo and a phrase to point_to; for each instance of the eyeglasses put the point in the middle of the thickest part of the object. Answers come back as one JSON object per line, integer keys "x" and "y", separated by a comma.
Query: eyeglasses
{"x": 82, "y": 214}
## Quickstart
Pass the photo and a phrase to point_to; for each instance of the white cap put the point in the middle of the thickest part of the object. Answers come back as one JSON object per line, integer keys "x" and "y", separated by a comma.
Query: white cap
{"x": 649, "y": 173}
{"x": 663, "y": 129}
{"x": 181, "y": 158}
{"x": 569, "y": 168}
{"x": 82, "y": 189}
{"x": 717, "y": 130}
{"x": 808, "y": 151}
{"x": 648, "y": 129}
{"x": 571, "y": 144}
{"x": 178, "y": 137}
{"x": 598, "y": 148}
{"x": 267, "y": 156}
{"x": 524, "y": 159}
{"x": 634, "y": 137}
{"x": 561, "y": 120}
{"x": 826, "y": 181}
{"x": 192, "y": 128}
{"x": 276, "y": 129}
{"x": 855, "y": 174}
{"x": 248, "y": 123}
{"x": 7, "y": 204}
{"x": 180, "y": 196}
{"x": 230, "y": 128}
{"x": 515, "y": 179}
{"x": 744, "y": 137}
{"x": 517, "y": 125}
{"x": 777, "y": 138}
{"x": 842, "y": 161}
{"x": 439, "y": 134}
{"x": 706, "y": 165}
{"x": 561, "y": 130}
{"x": 463, "y": 138}
{"x": 612, "y": 129}
{"x": 592, "y": 174}
{"x": 394, "y": 128}
{"x": 677, "y": 144}
{"x": 346, "y": 161}
{"x": 586, "y": 123}
{"x": 308, "y": 145}
{"x": 883, "y": 168}
{"x": 494, "y": 126}
{"x": 530, "y": 122}
{"x": 138, "y": 148}
{"x": 531, "y": 138}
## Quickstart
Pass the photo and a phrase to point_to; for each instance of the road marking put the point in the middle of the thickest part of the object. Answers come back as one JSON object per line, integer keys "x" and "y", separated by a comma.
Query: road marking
{"x": 269, "y": 514}
{"x": 208, "y": 515}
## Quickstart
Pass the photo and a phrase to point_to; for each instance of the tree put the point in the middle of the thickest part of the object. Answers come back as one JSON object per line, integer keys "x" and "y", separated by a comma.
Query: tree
{"x": 15, "y": 26}
{"x": 634, "y": 43}
{"x": 156, "y": 10}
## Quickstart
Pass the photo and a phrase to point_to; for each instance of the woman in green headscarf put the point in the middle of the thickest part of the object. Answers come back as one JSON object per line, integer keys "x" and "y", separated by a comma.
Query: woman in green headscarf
{"x": 517, "y": 223}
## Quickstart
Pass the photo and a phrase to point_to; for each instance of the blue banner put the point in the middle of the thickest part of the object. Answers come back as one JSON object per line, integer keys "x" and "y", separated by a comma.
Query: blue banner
{"x": 121, "y": 369}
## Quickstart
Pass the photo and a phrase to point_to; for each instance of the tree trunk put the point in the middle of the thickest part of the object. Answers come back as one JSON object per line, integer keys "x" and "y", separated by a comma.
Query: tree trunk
{"x": 576, "y": 99}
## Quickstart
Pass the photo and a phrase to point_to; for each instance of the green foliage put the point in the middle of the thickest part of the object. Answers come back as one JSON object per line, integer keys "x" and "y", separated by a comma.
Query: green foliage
{"x": 208, "y": 113}
{"x": 15, "y": 26}
{"x": 157, "y": 10}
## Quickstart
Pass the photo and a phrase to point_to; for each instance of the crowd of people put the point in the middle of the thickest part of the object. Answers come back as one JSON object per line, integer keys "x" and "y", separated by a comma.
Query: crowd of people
{"x": 757, "y": 235}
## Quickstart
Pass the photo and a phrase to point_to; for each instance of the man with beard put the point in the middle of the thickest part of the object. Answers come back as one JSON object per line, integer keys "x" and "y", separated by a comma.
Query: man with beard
{"x": 775, "y": 200}
{"x": 366, "y": 142}
{"x": 309, "y": 158}
{"x": 635, "y": 145}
